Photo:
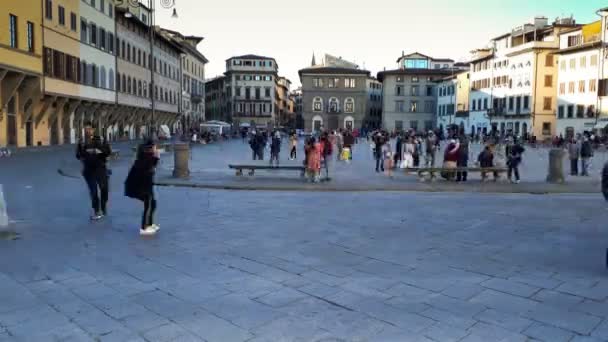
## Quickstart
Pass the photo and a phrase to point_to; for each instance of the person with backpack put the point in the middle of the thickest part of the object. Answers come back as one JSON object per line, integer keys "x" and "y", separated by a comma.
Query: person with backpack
{"x": 93, "y": 153}
{"x": 140, "y": 184}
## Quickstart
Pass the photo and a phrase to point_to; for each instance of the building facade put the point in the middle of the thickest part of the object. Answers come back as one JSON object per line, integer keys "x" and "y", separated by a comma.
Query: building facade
{"x": 409, "y": 98}
{"x": 282, "y": 110}
{"x": 251, "y": 82}
{"x": 216, "y": 99}
{"x": 20, "y": 73}
{"x": 333, "y": 97}
{"x": 373, "y": 119}
{"x": 453, "y": 103}
{"x": 296, "y": 95}
{"x": 514, "y": 83}
{"x": 578, "y": 100}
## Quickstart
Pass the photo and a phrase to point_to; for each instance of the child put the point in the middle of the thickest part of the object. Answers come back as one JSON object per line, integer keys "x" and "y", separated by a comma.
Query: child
{"x": 140, "y": 185}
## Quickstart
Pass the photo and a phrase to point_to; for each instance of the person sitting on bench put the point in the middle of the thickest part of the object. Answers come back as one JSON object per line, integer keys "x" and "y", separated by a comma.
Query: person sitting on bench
{"x": 486, "y": 160}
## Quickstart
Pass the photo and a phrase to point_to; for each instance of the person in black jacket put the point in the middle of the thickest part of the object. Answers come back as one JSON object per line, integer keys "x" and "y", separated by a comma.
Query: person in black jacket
{"x": 486, "y": 160}
{"x": 605, "y": 181}
{"x": 93, "y": 153}
{"x": 140, "y": 184}
{"x": 514, "y": 152}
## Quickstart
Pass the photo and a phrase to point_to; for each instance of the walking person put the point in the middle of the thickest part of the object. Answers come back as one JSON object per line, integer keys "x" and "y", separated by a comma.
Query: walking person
{"x": 339, "y": 143}
{"x": 275, "y": 148}
{"x": 293, "y": 142}
{"x": 93, "y": 153}
{"x": 140, "y": 185}
{"x": 378, "y": 143}
{"x": 514, "y": 153}
{"x": 313, "y": 160}
{"x": 450, "y": 159}
{"x": 586, "y": 155}
{"x": 349, "y": 142}
{"x": 574, "y": 151}
{"x": 463, "y": 158}
{"x": 486, "y": 160}
{"x": 327, "y": 150}
{"x": 398, "y": 150}
{"x": 409, "y": 148}
{"x": 387, "y": 154}
{"x": 430, "y": 149}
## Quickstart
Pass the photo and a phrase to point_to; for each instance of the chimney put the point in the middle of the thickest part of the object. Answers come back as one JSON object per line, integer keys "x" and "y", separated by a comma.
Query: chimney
{"x": 402, "y": 53}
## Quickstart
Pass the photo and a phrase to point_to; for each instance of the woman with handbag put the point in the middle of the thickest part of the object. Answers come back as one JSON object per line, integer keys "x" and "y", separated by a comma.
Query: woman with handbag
{"x": 140, "y": 185}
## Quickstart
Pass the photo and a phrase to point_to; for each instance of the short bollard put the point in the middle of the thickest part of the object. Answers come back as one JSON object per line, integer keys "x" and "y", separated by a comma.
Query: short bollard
{"x": 181, "y": 154}
{"x": 556, "y": 166}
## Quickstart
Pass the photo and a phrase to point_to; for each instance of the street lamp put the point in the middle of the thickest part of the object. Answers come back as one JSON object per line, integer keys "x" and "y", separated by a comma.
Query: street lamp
{"x": 167, "y": 4}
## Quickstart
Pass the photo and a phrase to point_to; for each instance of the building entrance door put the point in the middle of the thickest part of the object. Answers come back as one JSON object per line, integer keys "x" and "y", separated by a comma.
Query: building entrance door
{"x": 332, "y": 123}
{"x": 29, "y": 133}
{"x": 11, "y": 127}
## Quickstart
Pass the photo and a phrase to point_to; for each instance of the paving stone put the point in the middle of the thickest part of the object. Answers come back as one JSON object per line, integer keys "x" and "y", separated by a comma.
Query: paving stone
{"x": 506, "y": 320}
{"x": 504, "y": 302}
{"x": 241, "y": 311}
{"x": 166, "y": 332}
{"x": 487, "y": 332}
{"x": 580, "y": 323}
{"x": 444, "y": 332}
{"x": 557, "y": 299}
{"x": 281, "y": 297}
{"x": 293, "y": 329}
{"x": 395, "y": 316}
{"x": 463, "y": 291}
{"x": 582, "y": 289}
{"x": 405, "y": 290}
{"x": 212, "y": 328}
{"x": 467, "y": 308}
{"x": 542, "y": 282}
{"x": 458, "y": 321}
{"x": 319, "y": 290}
{"x": 510, "y": 287}
{"x": 592, "y": 307}
{"x": 578, "y": 338}
{"x": 141, "y": 323}
{"x": 323, "y": 278}
{"x": 601, "y": 331}
{"x": 543, "y": 332}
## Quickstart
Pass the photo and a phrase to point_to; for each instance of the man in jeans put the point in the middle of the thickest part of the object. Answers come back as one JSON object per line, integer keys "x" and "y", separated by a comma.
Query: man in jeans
{"x": 586, "y": 154}
{"x": 93, "y": 153}
{"x": 574, "y": 150}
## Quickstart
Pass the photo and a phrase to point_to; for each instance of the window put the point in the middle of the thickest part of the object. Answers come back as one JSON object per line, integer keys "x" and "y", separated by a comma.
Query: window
{"x": 93, "y": 4}
{"x": 267, "y": 92}
{"x": 30, "y": 37}
{"x": 562, "y": 65}
{"x": 485, "y": 103}
{"x": 334, "y": 106}
{"x": 580, "y": 111}
{"x": 548, "y": 81}
{"x": 527, "y": 102}
{"x": 415, "y": 90}
{"x": 93, "y": 30}
{"x": 591, "y": 111}
{"x": 317, "y": 82}
{"x": 603, "y": 87}
{"x": 581, "y": 86}
{"x": 48, "y": 10}
{"x": 110, "y": 43}
{"x": 549, "y": 60}
{"x": 562, "y": 88}
{"x": 257, "y": 93}
{"x": 570, "y": 111}
{"x": 399, "y": 106}
{"x": 560, "y": 112}
{"x": 511, "y": 103}
{"x": 237, "y": 91}
{"x": 110, "y": 11}
{"x": 584, "y": 62}
{"x": 83, "y": 30}
{"x": 414, "y": 106}
{"x": 399, "y": 90}
{"x": 593, "y": 61}
{"x": 592, "y": 86}
{"x": 414, "y": 125}
{"x": 415, "y": 79}
{"x": 429, "y": 90}
{"x": 399, "y": 125}
{"x": 13, "y": 31}
{"x": 102, "y": 5}
{"x": 571, "y": 87}
{"x": 572, "y": 64}
{"x": 546, "y": 128}
{"x": 317, "y": 104}
{"x": 102, "y": 39}
{"x": 61, "y": 15}
{"x": 73, "y": 21}
{"x": 258, "y": 78}
{"x": 349, "y": 105}
{"x": 399, "y": 78}
{"x": 473, "y": 105}
{"x": 349, "y": 83}
{"x": 247, "y": 93}
{"x": 547, "y": 103}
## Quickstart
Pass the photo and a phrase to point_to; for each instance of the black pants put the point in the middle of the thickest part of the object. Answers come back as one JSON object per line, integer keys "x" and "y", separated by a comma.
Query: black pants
{"x": 513, "y": 168}
{"x": 462, "y": 176}
{"x": 258, "y": 154}
{"x": 149, "y": 209}
{"x": 97, "y": 181}
{"x": 293, "y": 154}
{"x": 379, "y": 163}
{"x": 574, "y": 167}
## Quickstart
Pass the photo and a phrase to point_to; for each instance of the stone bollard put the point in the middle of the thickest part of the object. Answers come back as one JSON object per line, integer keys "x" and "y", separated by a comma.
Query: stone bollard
{"x": 181, "y": 154}
{"x": 556, "y": 166}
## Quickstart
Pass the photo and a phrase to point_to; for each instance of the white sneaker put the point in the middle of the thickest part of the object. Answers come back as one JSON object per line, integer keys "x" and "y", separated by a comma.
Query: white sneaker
{"x": 147, "y": 231}
{"x": 517, "y": 181}
{"x": 155, "y": 226}
{"x": 96, "y": 217}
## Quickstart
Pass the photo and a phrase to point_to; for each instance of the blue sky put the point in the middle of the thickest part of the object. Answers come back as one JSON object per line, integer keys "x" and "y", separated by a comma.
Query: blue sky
{"x": 368, "y": 32}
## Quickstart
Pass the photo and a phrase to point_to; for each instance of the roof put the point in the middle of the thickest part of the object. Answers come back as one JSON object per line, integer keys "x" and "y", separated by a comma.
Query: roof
{"x": 442, "y": 60}
{"x": 333, "y": 70}
{"x": 425, "y": 56}
{"x": 481, "y": 58}
{"x": 250, "y": 57}
{"x": 570, "y": 30}
{"x": 440, "y": 72}
{"x": 581, "y": 47}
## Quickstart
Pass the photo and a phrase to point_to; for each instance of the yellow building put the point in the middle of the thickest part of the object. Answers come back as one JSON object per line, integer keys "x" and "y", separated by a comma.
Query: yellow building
{"x": 20, "y": 69}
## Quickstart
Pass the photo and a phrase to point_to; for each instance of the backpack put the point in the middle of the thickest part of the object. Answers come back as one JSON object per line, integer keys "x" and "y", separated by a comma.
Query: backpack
{"x": 328, "y": 148}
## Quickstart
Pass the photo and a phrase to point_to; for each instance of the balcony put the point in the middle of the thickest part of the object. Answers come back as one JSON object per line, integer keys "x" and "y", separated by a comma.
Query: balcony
{"x": 530, "y": 46}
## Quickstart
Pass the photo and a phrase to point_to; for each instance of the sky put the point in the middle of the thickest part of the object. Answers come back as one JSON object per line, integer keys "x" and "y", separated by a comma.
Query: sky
{"x": 372, "y": 34}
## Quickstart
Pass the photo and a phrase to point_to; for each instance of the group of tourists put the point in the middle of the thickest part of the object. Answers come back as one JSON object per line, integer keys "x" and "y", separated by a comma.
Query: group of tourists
{"x": 580, "y": 147}
{"x": 94, "y": 152}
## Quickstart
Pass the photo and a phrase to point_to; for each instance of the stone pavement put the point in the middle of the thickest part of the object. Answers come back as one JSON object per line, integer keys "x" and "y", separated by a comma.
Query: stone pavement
{"x": 298, "y": 266}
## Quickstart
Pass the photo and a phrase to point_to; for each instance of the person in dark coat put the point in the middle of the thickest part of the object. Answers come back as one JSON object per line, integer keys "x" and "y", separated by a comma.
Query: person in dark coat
{"x": 275, "y": 148}
{"x": 93, "y": 153}
{"x": 349, "y": 142}
{"x": 514, "y": 152}
{"x": 605, "y": 181}
{"x": 486, "y": 160}
{"x": 140, "y": 184}
{"x": 463, "y": 158}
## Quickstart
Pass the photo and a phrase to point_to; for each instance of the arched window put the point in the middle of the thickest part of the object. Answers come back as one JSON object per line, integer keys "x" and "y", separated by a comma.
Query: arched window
{"x": 102, "y": 77}
{"x": 349, "y": 105}
{"x": 118, "y": 87}
{"x": 111, "y": 79}
{"x": 317, "y": 123}
{"x": 145, "y": 89}
{"x": 124, "y": 83}
{"x": 129, "y": 85}
{"x": 334, "y": 105}
{"x": 317, "y": 104}
{"x": 83, "y": 72}
{"x": 139, "y": 90}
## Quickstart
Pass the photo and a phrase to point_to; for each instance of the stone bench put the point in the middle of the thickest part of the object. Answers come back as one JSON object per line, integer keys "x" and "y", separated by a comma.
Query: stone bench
{"x": 423, "y": 172}
{"x": 239, "y": 168}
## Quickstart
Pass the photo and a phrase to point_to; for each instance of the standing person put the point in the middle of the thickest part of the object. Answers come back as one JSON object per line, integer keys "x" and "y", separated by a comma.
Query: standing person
{"x": 450, "y": 158}
{"x": 378, "y": 143}
{"x": 388, "y": 159}
{"x": 253, "y": 141}
{"x": 586, "y": 155}
{"x": 339, "y": 143}
{"x": 574, "y": 151}
{"x": 398, "y": 150}
{"x": 514, "y": 153}
{"x": 430, "y": 149}
{"x": 486, "y": 160}
{"x": 327, "y": 149}
{"x": 409, "y": 148}
{"x": 463, "y": 158}
{"x": 275, "y": 148}
{"x": 93, "y": 154}
{"x": 313, "y": 160}
{"x": 140, "y": 185}
{"x": 349, "y": 142}
{"x": 293, "y": 142}
{"x": 605, "y": 181}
